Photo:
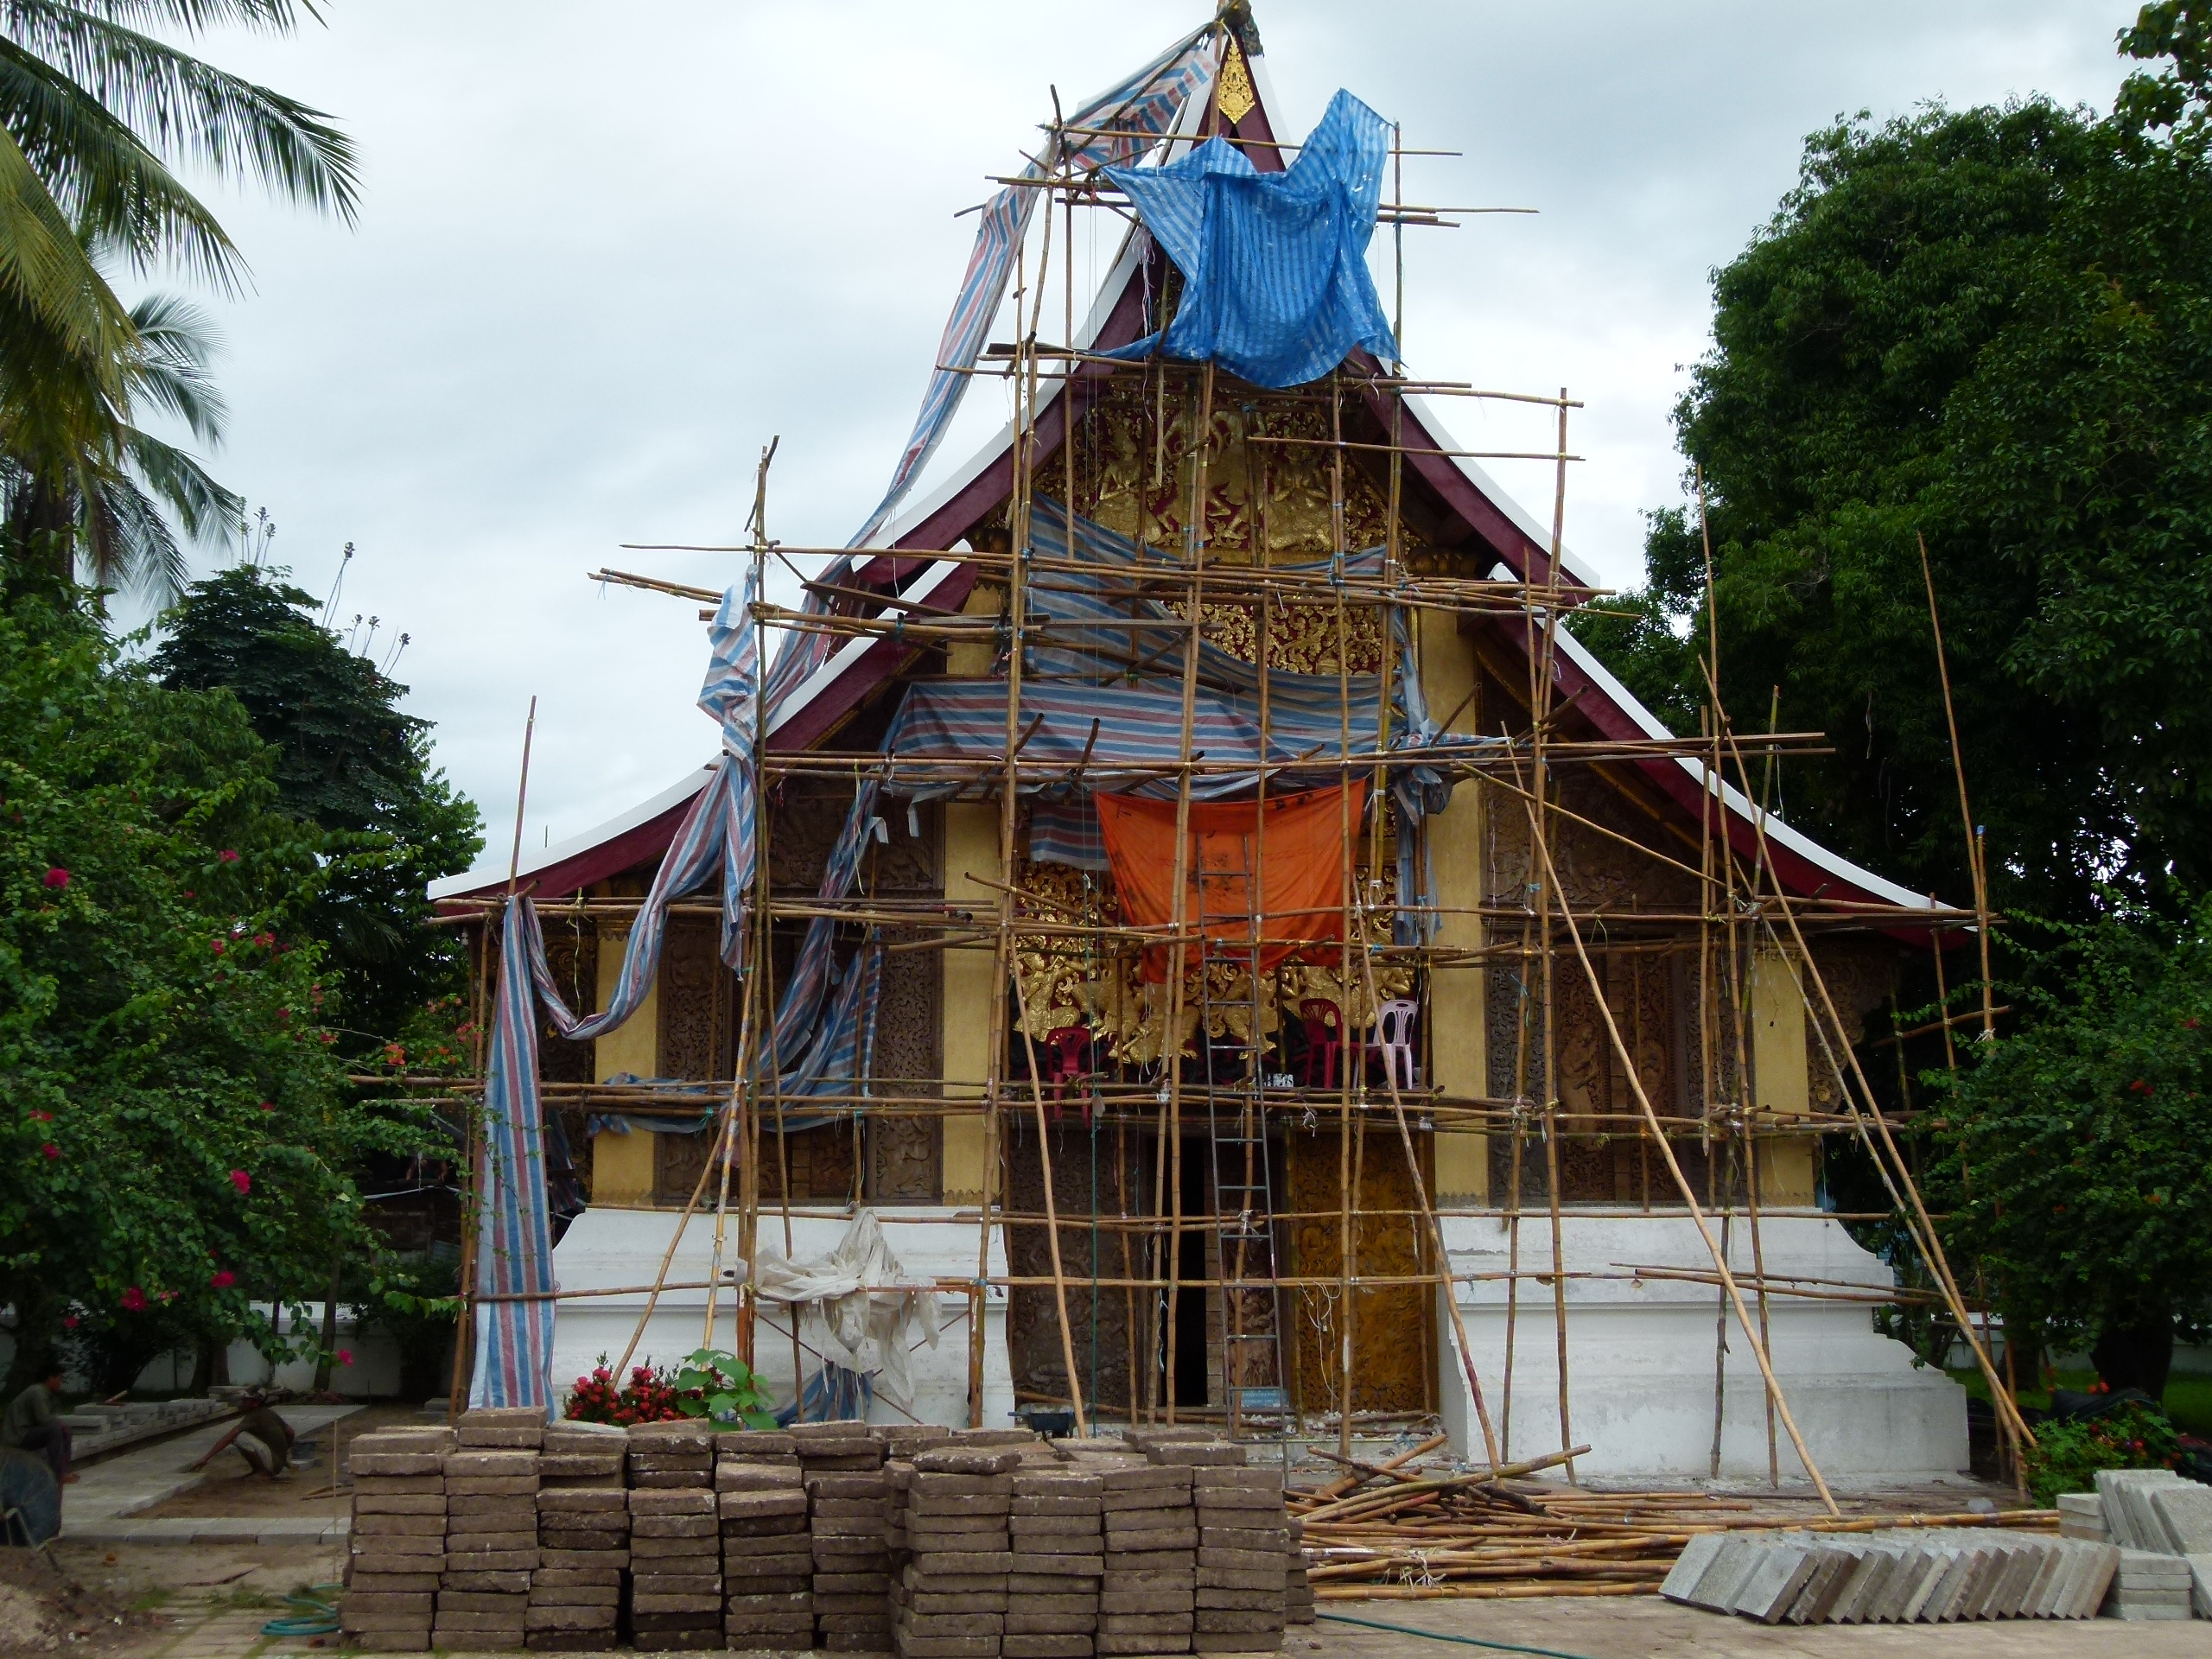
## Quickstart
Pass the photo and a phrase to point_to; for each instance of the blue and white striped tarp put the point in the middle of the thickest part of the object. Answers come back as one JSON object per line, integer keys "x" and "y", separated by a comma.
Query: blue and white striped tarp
{"x": 1067, "y": 832}
{"x": 1131, "y": 116}
{"x": 1276, "y": 288}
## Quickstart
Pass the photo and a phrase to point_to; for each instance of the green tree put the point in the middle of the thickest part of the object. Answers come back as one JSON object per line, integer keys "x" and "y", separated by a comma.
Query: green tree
{"x": 1992, "y": 327}
{"x": 95, "y": 112}
{"x": 175, "y": 1138}
{"x": 349, "y": 760}
{"x": 2073, "y": 1162}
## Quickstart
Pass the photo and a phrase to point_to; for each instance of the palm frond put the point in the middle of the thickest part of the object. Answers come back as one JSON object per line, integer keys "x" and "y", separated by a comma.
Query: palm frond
{"x": 180, "y": 107}
{"x": 175, "y": 345}
{"x": 119, "y": 193}
{"x": 48, "y": 271}
{"x": 129, "y": 545}
{"x": 204, "y": 508}
{"x": 197, "y": 17}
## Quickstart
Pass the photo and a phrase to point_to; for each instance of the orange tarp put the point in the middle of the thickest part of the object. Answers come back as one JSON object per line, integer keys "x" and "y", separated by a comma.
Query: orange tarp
{"x": 1300, "y": 867}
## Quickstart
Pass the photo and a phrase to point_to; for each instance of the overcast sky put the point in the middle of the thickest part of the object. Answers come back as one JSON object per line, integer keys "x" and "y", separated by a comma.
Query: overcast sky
{"x": 604, "y": 254}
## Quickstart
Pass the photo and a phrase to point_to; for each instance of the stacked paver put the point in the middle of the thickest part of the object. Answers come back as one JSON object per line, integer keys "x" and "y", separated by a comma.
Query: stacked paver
{"x": 1297, "y": 1587}
{"x": 1931, "y": 1575}
{"x": 1243, "y": 1554}
{"x": 949, "y": 1600}
{"x": 676, "y": 1565}
{"x": 767, "y": 1541}
{"x": 1149, "y": 1592}
{"x": 491, "y": 1530}
{"x": 1056, "y": 1533}
{"x": 396, "y": 1548}
{"x": 848, "y": 1501}
{"x": 583, "y": 1539}
{"x": 2163, "y": 1525}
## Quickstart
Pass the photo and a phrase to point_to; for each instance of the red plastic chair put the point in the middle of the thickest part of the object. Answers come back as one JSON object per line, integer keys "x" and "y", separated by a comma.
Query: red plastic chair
{"x": 1325, "y": 1045}
{"x": 1067, "y": 1061}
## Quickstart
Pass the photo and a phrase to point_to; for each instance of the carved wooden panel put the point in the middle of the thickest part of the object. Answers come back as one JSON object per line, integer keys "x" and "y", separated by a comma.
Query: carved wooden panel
{"x": 906, "y": 1154}
{"x": 821, "y": 1160}
{"x": 1392, "y": 1340}
{"x": 572, "y": 951}
{"x": 1095, "y": 1174}
{"x": 696, "y": 998}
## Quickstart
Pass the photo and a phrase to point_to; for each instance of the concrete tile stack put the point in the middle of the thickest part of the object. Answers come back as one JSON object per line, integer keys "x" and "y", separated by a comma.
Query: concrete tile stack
{"x": 950, "y": 1599}
{"x": 848, "y": 1498}
{"x": 491, "y": 1528}
{"x": 1243, "y": 1553}
{"x": 2149, "y": 1586}
{"x": 1930, "y": 1575}
{"x": 676, "y": 1564}
{"x": 1297, "y": 1588}
{"x": 767, "y": 1540}
{"x": 2081, "y": 1515}
{"x": 397, "y": 1550}
{"x": 1148, "y": 1598}
{"x": 583, "y": 1539}
{"x": 1058, "y": 1558}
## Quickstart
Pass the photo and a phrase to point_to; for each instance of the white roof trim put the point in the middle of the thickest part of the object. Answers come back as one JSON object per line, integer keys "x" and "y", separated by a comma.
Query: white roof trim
{"x": 1776, "y": 831}
{"x": 545, "y": 857}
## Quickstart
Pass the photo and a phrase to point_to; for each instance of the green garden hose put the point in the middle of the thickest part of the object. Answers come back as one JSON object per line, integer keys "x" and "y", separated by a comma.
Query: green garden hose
{"x": 1445, "y": 1636}
{"x": 315, "y": 1612}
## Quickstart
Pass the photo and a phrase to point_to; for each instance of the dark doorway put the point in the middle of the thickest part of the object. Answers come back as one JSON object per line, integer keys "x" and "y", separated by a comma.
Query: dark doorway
{"x": 1191, "y": 1269}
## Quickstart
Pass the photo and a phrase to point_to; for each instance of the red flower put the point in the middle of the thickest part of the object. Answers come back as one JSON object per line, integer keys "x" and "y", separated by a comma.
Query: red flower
{"x": 227, "y": 856}
{"x": 345, "y": 1356}
{"x": 268, "y": 1105}
{"x": 68, "y": 1321}
{"x": 51, "y": 1151}
{"x": 241, "y": 1180}
{"x": 57, "y": 877}
{"x": 2139, "y": 1087}
{"x": 283, "y": 1013}
{"x": 224, "y": 1280}
{"x": 216, "y": 946}
{"x": 134, "y": 1300}
{"x": 41, "y": 1117}
{"x": 189, "y": 894}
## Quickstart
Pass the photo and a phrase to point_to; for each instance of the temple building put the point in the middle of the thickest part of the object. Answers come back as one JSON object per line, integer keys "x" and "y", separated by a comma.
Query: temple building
{"x": 1211, "y": 927}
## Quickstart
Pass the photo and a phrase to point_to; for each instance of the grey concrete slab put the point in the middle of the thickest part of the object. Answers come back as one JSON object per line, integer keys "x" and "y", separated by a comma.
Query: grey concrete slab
{"x": 1902, "y": 1595}
{"x": 1691, "y": 1565}
{"x": 1938, "y": 1565}
{"x": 1778, "y": 1574}
{"x": 1831, "y": 1561}
{"x": 2186, "y": 1509}
{"x": 2200, "y": 1573}
{"x": 2035, "y": 1599}
{"x": 2089, "y": 1592}
{"x": 1865, "y": 1585}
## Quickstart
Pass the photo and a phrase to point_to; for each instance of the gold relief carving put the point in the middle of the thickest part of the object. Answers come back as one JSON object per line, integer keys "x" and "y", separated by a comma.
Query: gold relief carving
{"x": 1390, "y": 1350}
{"x": 1233, "y": 95}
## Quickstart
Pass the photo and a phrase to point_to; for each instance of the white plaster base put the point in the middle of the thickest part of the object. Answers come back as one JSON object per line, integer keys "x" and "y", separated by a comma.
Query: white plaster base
{"x": 1641, "y": 1352}
{"x": 606, "y": 1248}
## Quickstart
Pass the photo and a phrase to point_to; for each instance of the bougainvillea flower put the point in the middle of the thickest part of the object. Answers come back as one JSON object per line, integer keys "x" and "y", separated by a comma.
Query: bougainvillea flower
{"x": 134, "y": 1300}
{"x": 223, "y": 1279}
{"x": 41, "y": 1117}
{"x": 57, "y": 877}
{"x": 268, "y": 1105}
{"x": 68, "y": 1321}
{"x": 241, "y": 1180}
{"x": 345, "y": 1356}
{"x": 216, "y": 946}
{"x": 51, "y": 1150}
{"x": 227, "y": 856}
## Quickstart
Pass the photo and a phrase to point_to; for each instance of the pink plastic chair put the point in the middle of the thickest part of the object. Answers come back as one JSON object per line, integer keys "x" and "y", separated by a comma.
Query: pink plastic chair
{"x": 1394, "y": 1031}
{"x": 1324, "y": 1040}
{"x": 1066, "y": 1060}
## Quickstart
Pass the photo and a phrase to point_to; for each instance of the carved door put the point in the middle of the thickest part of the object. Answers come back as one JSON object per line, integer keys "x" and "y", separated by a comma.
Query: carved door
{"x": 1393, "y": 1342}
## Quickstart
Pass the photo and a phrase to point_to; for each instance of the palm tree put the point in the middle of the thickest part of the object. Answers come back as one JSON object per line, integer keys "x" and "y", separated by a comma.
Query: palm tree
{"x": 92, "y": 112}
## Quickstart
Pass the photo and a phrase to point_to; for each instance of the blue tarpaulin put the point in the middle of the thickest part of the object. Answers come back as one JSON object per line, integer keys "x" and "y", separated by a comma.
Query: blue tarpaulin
{"x": 1276, "y": 288}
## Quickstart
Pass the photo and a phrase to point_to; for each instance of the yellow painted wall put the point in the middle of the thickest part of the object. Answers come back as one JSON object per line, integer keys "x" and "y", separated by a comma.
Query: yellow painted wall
{"x": 1458, "y": 1032}
{"x": 971, "y": 849}
{"x": 1780, "y": 1082}
{"x": 622, "y": 1165}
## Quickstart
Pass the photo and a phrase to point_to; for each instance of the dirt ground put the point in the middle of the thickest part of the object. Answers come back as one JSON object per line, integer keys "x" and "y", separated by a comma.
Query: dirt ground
{"x": 231, "y": 1489}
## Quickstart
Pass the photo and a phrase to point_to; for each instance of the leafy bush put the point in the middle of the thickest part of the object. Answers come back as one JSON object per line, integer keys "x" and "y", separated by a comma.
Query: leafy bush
{"x": 2066, "y": 1455}
{"x": 712, "y": 1384}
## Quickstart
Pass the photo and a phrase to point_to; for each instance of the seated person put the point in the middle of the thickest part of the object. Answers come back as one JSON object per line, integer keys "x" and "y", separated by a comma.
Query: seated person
{"x": 261, "y": 1437}
{"x": 31, "y": 1425}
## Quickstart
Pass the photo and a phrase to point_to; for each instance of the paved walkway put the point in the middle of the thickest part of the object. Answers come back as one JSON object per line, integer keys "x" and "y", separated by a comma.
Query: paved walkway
{"x": 99, "y": 1507}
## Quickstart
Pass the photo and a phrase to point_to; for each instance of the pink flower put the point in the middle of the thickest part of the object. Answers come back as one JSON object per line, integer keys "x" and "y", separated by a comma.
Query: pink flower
{"x": 68, "y": 1321}
{"x": 227, "y": 856}
{"x": 345, "y": 1356}
{"x": 224, "y": 1280}
{"x": 216, "y": 946}
{"x": 268, "y": 1105}
{"x": 41, "y": 1117}
{"x": 134, "y": 1300}
{"x": 241, "y": 1180}
{"x": 57, "y": 877}
{"x": 51, "y": 1150}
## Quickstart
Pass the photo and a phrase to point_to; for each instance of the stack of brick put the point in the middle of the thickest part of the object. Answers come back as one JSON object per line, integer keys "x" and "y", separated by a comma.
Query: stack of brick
{"x": 676, "y": 1563}
{"x": 1058, "y": 1558}
{"x": 583, "y": 1539}
{"x": 950, "y": 1599}
{"x": 1297, "y": 1588}
{"x": 848, "y": 1501}
{"x": 398, "y": 1545}
{"x": 1148, "y": 1598}
{"x": 767, "y": 1544}
{"x": 1243, "y": 1552}
{"x": 491, "y": 1530}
